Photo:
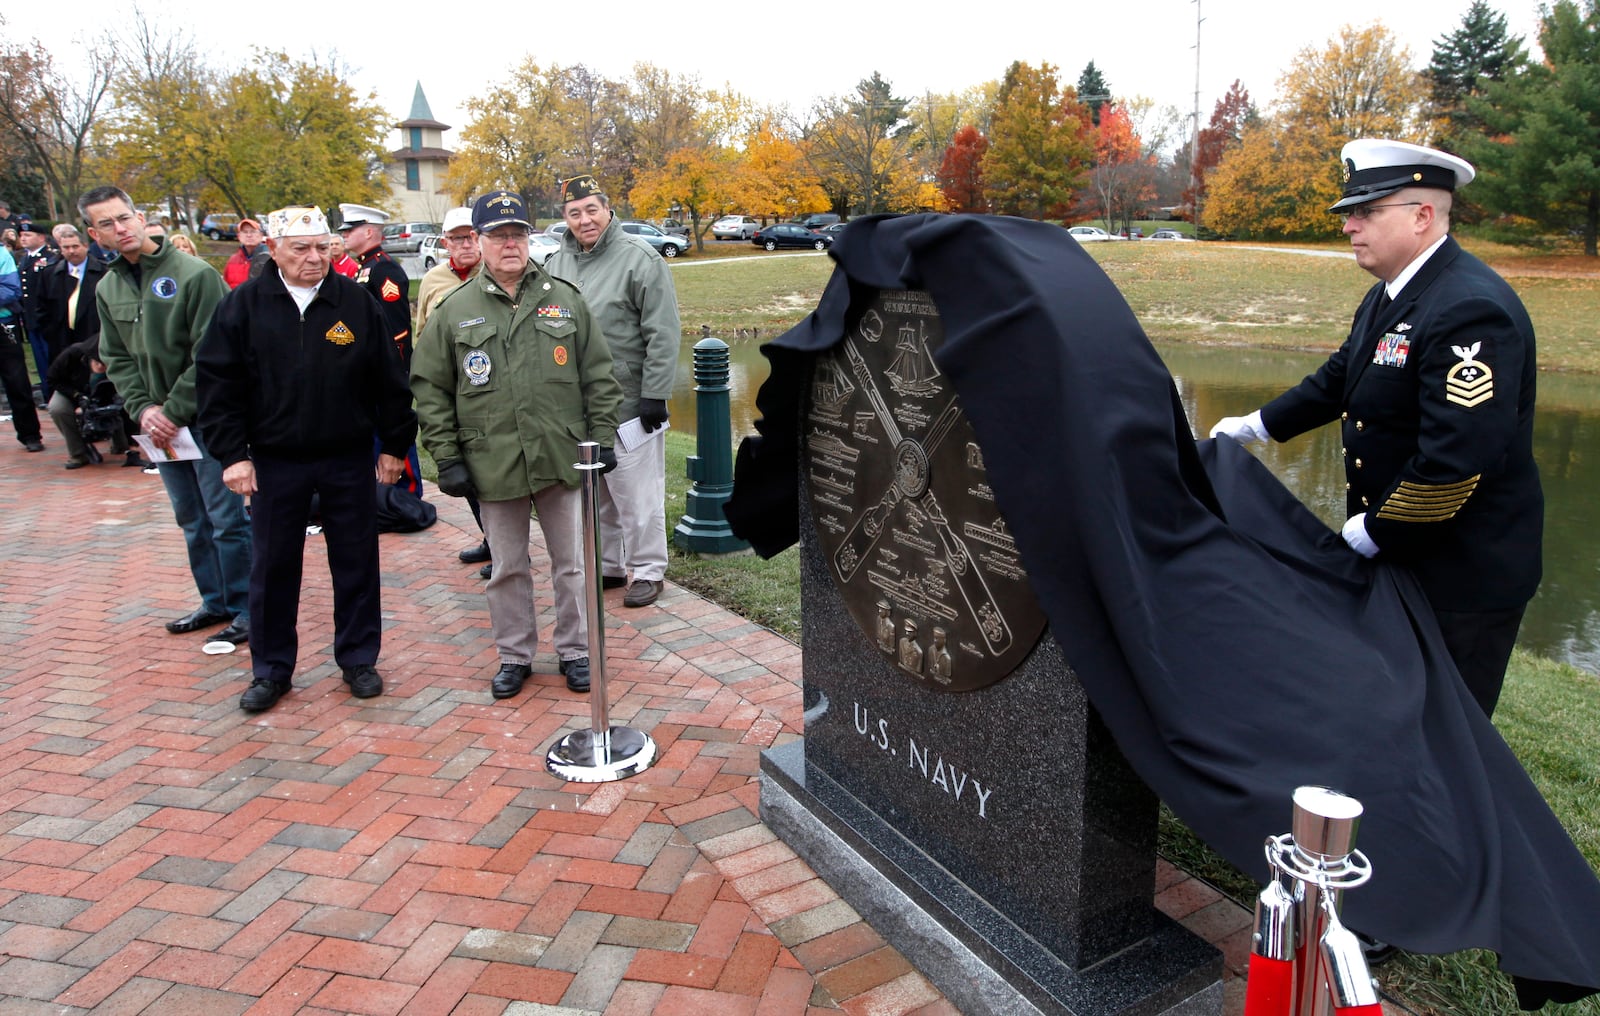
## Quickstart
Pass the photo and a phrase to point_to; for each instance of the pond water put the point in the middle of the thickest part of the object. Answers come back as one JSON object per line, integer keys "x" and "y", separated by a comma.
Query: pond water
{"x": 1563, "y": 621}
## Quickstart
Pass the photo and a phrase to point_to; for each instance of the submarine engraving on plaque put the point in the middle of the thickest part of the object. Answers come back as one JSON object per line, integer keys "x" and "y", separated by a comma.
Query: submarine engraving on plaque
{"x": 904, "y": 513}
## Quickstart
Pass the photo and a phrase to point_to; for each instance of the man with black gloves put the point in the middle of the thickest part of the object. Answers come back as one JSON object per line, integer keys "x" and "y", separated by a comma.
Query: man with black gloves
{"x": 295, "y": 376}
{"x": 628, "y": 287}
{"x": 509, "y": 374}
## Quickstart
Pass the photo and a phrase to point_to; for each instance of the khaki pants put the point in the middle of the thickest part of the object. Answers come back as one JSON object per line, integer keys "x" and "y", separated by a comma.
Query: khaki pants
{"x": 633, "y": 513}
{"x": 510, "y": 590}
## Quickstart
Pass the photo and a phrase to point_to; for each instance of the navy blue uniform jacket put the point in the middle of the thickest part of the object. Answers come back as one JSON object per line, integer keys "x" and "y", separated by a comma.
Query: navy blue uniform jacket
{"x": 1233, "y": 644}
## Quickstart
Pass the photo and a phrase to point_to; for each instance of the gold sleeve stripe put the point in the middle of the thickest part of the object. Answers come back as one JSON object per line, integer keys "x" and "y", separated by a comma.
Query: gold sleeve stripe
{"x": 1420, "y": 502}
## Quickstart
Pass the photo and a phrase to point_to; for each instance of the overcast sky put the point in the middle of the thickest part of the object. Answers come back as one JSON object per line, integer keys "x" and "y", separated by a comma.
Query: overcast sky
{"x": 786, "y": 53}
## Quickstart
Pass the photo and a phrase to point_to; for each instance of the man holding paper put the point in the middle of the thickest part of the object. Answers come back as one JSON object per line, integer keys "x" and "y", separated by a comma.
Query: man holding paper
{"x": 155, "y": 302}
{"x": 629, "y": 290}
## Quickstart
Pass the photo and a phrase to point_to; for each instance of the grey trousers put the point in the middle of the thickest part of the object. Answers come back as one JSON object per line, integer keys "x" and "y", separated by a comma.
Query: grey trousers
{"x": 65, "y": 414}
{"x": 633, "y": 513}
{"x": 510, "y": 591}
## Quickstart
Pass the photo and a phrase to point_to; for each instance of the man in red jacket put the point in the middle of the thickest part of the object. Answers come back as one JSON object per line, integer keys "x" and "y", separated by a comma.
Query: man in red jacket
{"x": 248, "y": 259}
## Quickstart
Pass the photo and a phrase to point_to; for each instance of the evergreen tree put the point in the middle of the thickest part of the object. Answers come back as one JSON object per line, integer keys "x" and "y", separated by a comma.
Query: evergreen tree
{"x": 1464, "y": 61}
{"x": 1539, "y": 154}
{"x": 1093, "y": 91}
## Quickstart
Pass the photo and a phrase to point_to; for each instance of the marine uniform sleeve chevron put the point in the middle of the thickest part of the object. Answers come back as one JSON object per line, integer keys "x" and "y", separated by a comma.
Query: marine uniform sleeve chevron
{"x": 1427, "y": 502}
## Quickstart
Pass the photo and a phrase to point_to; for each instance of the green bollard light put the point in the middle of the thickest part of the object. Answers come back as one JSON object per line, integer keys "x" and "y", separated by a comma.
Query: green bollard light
{"x": 703, "y": 528}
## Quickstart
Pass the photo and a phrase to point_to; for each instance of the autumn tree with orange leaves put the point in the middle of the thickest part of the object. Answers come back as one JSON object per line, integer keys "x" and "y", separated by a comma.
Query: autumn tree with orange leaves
{"x": 1123, "y": 180}
{"x": 961, "y": 171}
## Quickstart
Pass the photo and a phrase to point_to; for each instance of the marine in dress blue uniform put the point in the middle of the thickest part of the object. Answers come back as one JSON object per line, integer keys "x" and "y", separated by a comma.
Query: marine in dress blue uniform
{"x": 1434, "y": 394}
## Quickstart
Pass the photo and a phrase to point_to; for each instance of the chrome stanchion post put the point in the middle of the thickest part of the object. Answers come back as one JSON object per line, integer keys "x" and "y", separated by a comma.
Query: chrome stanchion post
{"x": 602, "y": 753}
{"x": 1319, "y": 854}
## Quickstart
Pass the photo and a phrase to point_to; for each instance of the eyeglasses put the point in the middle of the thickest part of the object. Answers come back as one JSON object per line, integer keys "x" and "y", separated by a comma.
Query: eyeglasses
{"x": 463, "y": 238}
{"x": 505, "y": 236}
{"x": 1365, "y": 211}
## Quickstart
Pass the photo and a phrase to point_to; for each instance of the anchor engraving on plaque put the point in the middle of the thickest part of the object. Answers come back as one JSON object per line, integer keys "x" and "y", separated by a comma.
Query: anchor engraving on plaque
{"x": 905, "y": 515}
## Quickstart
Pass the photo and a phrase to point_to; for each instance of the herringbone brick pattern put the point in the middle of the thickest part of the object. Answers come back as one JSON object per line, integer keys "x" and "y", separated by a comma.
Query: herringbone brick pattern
{"x": 163, "y": 852}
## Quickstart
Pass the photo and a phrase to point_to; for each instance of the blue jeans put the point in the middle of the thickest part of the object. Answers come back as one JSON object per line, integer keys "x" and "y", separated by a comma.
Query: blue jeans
{"x": 216, "y": 530}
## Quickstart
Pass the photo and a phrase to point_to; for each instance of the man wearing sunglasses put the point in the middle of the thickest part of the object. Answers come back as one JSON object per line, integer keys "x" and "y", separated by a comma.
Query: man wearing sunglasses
{"x": 1434, "y": 391}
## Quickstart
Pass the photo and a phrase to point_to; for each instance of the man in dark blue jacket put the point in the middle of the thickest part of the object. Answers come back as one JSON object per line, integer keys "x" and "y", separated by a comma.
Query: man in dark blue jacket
{"x": 13, "y": 364}
{"x": 295, "y": 376}
{"x": 1434, "y": 391}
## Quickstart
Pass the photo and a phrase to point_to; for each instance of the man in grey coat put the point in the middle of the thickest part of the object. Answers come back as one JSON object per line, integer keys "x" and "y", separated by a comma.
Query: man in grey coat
{"x": 629, "y": 290}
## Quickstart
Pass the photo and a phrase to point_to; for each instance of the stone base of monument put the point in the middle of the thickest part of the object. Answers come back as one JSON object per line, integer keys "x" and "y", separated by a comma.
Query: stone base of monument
{"x": 981, "y": 960}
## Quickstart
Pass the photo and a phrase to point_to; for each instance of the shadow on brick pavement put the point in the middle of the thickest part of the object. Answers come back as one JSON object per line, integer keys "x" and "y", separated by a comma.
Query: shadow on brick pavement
{"x": 163, "y": 852}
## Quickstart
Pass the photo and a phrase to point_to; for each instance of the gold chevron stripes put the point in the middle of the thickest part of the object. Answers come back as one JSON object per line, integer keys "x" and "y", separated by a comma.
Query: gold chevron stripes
{"x": 1428, "y": 502}
{"x": 1470, "y": 382}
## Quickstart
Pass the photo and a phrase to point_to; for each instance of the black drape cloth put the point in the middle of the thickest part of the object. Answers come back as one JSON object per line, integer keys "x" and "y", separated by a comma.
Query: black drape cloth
{"x": 1232, "y": 643}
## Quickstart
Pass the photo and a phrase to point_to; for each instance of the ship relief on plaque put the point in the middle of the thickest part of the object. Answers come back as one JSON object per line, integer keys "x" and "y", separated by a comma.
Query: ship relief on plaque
{"x": 904, "y": 513}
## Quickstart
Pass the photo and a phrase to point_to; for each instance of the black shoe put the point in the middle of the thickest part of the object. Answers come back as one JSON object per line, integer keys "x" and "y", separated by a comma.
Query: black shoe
{"x": 201, "y": 618}
{"x": 475, "y": 555}
{"x": 577, "y": 673}
{"x": 34, "y": 446}
{"x": 134, "y": 460}
{"x": 613, "y": 581}
{"x": 642, "y": 593}
{"x": 262, "y": 694}
{"x": 364, "y": 681}
{"x": 237, "y": 633}
{"x": 486, "y": 571}
{"x": 75, "y": 464}
{"x": 508, "y": 681}
{"x": 1376, "y": 953}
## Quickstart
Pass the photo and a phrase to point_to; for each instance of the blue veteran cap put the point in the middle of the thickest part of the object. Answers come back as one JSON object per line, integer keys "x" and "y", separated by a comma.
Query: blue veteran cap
{"x": 499, "y": 208}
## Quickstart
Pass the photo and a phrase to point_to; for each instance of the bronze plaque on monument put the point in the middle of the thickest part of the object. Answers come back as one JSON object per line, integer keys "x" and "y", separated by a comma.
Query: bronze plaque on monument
{"x": 904, "y": 514}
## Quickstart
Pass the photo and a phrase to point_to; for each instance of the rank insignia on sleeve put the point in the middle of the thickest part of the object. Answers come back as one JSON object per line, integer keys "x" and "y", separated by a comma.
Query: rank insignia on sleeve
{"x": 339, "y": 335}
{"x": 560, "y": 355}
{"x": 1392, "y": 350}
{"x": 554, "y": 310}
{"x": 389, "y": 291}
{"x": 1469, "y": 383}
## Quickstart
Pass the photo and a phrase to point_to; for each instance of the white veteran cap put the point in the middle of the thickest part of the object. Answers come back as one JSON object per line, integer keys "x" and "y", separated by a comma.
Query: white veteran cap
{"x": 1375, "y": 168}
{"x": 351, "y": 216}
{"x": 296, "y": 221}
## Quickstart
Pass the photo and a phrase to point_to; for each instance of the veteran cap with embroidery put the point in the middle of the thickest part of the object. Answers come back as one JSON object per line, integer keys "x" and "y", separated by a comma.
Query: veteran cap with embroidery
{"x": 351, "y": 216}
{"x": 580, "y": 187}
{"x": 499, "y": 208}
{"x": 296, "y": 220}
{"x": 455, "y": 218}
{"x": 1375, "y": 168}
{"x": 29, "y": 226}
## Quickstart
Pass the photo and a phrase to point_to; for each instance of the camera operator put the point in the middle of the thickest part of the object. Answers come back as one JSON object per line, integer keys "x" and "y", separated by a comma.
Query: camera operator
{"x": 78, "y": 381}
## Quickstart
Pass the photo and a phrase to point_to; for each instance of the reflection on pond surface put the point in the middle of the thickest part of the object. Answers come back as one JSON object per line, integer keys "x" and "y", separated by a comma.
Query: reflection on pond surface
{"x": 1563, "y": 621}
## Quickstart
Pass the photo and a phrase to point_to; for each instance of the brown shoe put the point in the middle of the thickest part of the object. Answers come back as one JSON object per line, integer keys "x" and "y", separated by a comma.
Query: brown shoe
{"x": 642, "y": 593}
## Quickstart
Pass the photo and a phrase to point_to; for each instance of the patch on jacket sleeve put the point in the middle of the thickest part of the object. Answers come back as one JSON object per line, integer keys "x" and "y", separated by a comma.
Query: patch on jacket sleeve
{"x": 339, "y": 335}
{"x": 1469, "y": 383}
{"x": 390, "y": 291}
{"x": 1428, "y": 502}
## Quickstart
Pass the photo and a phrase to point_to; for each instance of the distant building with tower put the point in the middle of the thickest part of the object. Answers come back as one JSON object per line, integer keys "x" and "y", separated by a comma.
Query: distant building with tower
{"x": 416, "y": 169}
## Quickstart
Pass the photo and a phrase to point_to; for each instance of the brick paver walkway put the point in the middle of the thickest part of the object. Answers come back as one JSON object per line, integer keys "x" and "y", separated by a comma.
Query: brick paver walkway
{"x": 163, "y": 852}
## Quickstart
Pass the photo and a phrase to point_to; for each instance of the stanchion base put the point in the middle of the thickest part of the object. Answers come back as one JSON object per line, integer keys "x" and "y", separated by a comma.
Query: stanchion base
{"x": 580, "y": 759}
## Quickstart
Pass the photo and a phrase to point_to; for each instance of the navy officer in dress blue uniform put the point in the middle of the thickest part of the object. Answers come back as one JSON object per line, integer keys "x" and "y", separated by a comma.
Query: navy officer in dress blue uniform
{"x": 295, "y": 375}
{"x": 1434, "y": 392}
{"x": 361, "y": 228}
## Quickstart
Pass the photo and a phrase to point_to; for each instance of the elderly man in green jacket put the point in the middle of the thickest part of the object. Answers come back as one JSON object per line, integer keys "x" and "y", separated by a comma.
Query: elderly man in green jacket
{"x": 629, "y": 289}
{"x": 510, "y": 373}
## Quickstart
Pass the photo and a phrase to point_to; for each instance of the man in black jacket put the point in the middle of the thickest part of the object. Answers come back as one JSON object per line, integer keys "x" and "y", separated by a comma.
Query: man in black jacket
{"x": 295, "y": 375}
{"x": 1434, "y": 391}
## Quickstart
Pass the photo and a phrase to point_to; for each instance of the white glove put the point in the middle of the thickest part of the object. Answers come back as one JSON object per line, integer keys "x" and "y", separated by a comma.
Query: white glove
{"x": 1242, "y": 429}
{"x": 1355, "y": 534}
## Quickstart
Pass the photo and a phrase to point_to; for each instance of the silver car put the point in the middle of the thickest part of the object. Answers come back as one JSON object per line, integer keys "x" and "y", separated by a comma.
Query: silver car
{"x": 735, "y": 227}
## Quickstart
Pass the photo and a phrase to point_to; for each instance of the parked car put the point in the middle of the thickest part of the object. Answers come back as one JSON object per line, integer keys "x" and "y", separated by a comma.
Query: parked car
{"x": 833, "y": 229}
{"x": 676, "y": 228}
{"x": 220, "y": 227}
{"x": 557, "y": 230}
{"x": 791, "y": 234}
{"x": 541, "y": 246}
{"x": 406, "y": 237}
{"x": 1168, "y": 234}
{"x": 667, "y": 245}
{"x": 735, "y": 227}
{"x": 818, "y": 219}
{"x": 432, "y": 251}
{"x": 1134, "y": 233}
{"x": 1088, "y": 234}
